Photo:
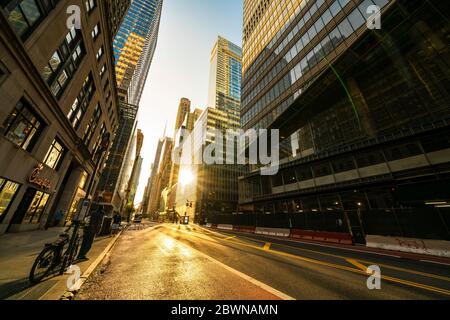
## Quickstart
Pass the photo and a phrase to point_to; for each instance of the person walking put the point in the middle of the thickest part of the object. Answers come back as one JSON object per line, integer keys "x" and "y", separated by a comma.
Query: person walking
{"x": 59, "y": 216}
{"x": 117, "y": 221}
{"x": 90, "y": 231}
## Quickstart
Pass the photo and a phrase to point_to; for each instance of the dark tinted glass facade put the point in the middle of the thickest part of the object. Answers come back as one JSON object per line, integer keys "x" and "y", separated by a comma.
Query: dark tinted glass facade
{"x": 363, "y": 116}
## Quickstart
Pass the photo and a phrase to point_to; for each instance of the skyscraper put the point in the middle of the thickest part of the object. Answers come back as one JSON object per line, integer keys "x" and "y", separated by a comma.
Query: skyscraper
{"x": 362, "y": 112}
{"x": 160, "y": 180}
{"x": 225, "y": 78}
{"x": 134, "y": 47}
{"x": 151, "y": 179}
{"x": 214, "y": 188}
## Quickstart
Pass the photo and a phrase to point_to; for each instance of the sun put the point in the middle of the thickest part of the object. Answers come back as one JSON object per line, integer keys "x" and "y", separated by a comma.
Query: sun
{"x": 186, "y": 177}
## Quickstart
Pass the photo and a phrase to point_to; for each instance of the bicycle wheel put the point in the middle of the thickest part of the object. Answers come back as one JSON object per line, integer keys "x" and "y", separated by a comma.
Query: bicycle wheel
{"x": 43, "y": 265}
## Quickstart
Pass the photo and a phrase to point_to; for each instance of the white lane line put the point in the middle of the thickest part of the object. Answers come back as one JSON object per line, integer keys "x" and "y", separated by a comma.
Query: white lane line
{"x": 257, "y": 283}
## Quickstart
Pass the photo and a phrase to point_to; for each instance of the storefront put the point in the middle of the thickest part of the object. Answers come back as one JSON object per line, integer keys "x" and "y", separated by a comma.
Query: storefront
{"x": 8, "y": 192}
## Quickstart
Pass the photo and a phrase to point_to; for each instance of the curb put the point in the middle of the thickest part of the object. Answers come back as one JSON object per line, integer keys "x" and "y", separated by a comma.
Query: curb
{"x": 68, "y": 295}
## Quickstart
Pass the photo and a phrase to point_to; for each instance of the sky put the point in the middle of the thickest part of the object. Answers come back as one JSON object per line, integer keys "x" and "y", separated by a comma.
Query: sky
{"x": 180, "y": 67}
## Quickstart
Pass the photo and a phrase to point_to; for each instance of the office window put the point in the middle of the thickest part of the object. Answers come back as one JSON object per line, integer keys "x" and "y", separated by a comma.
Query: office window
{"x": 403, "y": 151}
{"x": 23, "y": 126}
{"x": 37, "y": 207}
{"x": 3, "y": 73}
{"x": 81, "y": 103}
{"x": 96, "y": 31}
{"x": 54, "y": 155}
{"x": 90, "y": 5}
{"x": 25, "y": 15}
{"x": 64, "y": 63}
{"x": 102, "y": 71}
{"x": 8, "y": 191}
{"x": 92, "y": 126}
{"x": 71, "y": 36}
{"x": 99, "y": 53}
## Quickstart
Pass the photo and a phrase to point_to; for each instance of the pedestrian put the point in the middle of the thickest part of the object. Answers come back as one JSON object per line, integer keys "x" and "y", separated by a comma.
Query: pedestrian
{"x": 90, "y": 231}
{"x": 117, "y": 221}
{"x": 59, "y": 216}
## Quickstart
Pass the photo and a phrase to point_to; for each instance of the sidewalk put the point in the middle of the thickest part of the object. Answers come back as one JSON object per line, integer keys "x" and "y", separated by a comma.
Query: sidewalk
{"x": 17, "y": 255}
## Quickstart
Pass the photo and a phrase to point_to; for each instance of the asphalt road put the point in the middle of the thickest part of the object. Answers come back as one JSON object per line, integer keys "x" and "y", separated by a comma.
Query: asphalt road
{"x": 172, "y": 262}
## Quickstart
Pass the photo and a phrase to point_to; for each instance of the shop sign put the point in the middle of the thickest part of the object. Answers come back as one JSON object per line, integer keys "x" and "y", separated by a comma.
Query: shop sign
{"x": 34, "y": 178}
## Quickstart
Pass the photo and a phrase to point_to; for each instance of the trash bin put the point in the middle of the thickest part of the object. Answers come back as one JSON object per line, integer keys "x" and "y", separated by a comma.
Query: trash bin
{"x": 105, "y": 230}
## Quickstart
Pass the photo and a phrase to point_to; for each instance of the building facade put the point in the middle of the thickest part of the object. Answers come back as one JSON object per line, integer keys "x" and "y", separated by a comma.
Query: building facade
{"x": 184, "y": 125}
{"x": 161, "y": 178}
{"x": 151, "y": 179}
{"x": 205, "y": 190}
{"x": 134, "y": 47}
{"x": 363, "y": 115}
{"x": 115, "y": 177}
{"x": 58, "y": 100}
{"x": 136, "y": 170}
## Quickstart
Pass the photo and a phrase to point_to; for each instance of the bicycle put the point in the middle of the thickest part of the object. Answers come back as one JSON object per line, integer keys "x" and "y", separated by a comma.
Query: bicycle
{"x": 60, "y": 253}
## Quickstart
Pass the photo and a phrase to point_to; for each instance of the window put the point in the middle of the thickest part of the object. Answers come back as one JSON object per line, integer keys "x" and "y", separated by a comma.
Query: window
{"x": 99, "y": 53}
{"x": 3, "y": 73}
{"x": 23, "y": 126}
{"x": 403, "y": 151}
{"x": 81, "y": 103}
{"x": 96, "y": 148}
{"x": 71, "y": 35}
{"x": 96, "y": 31}
{"x": 90, "y": 129}
{"x": 8, "y": 191}
{"x": 37, "y": 207}
{"x": 54, "y": 155}
{"x": 90, "y": 5}
{"x": 343, "y": 165}
{"x": 102, "y": 71}
{"x": 25, "y": 15}
{"x": 63, "y": 63}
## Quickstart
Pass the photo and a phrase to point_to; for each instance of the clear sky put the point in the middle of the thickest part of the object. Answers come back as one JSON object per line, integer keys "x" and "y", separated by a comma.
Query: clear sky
{"x": 180, "y": 67}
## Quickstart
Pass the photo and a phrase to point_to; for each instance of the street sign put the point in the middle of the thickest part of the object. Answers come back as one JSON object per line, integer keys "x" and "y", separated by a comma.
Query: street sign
{"x": 82, "y": 210}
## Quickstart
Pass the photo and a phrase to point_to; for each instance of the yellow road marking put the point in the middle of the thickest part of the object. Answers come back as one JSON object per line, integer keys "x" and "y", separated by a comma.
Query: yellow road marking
{"x": 424, "y": 274}
{"x": 357, "y": 264}
{"x": 229, "y": 238}
{"x": 339, "y": 267}
{"x": 267, "y": 246}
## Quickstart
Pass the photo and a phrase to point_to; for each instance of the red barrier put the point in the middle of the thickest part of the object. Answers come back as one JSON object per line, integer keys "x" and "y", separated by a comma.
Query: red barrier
{"x": 244, "y": 229}
{"x": 332, "y": 237}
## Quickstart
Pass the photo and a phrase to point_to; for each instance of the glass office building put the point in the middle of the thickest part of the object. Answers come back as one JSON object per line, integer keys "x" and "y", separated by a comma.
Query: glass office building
{"x": 363, "y": 115}
{"x": 225, "y": 78}
{"x": 134, "y": 47}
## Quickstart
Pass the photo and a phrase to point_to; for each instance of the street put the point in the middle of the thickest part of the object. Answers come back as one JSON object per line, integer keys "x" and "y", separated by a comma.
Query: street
{"x": 172, "y": 262}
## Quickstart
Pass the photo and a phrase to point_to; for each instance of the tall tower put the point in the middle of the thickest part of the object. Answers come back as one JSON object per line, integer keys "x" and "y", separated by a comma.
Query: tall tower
{"x": 134, "y": 47}
{"x": 225, "y": 78}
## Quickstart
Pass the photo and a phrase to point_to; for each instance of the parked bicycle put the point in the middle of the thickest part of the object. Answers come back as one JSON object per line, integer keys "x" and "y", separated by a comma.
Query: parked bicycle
{"x": 57, "y": 256}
